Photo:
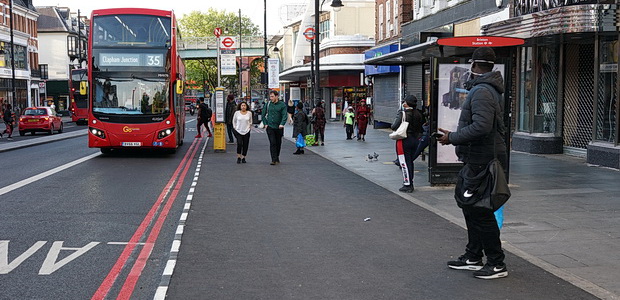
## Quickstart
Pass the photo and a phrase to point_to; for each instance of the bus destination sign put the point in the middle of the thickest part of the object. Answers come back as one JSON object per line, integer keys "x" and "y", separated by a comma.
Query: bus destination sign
{"x": 131, "y": 60}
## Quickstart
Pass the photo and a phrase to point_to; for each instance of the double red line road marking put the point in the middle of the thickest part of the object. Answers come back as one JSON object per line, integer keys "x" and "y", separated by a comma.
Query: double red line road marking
{"x": 155, "y": 217}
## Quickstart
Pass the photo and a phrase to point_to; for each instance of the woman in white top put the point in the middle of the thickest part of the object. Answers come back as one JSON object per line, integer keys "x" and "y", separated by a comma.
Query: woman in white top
{"x": 242, "y": 124}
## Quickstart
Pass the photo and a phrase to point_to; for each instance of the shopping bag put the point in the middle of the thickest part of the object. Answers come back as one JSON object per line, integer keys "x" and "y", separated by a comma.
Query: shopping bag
{"x": 310, "y": 139}
{"x": 499, "y": 217}
{"x": 301, "y": 142}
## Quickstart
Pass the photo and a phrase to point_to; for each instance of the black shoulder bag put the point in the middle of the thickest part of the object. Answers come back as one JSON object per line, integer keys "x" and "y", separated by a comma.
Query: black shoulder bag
{"x": 487, "y": 189}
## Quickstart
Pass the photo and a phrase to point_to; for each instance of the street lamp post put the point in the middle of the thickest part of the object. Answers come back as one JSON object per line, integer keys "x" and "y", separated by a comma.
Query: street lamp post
{"x": 13, "y": 94}
{"x": 266, "y": 58}
{"x": 336, "y": 4}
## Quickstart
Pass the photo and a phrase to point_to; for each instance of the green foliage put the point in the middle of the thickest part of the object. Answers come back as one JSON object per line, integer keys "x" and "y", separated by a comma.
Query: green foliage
{"x": 200, "y": 24}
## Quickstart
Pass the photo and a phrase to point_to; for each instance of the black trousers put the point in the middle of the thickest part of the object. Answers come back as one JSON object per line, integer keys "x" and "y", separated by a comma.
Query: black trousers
{"x": 482, "y": 230}
{"x": 275, "y": 142}
{"x": 243, "y": 142}
{"x": 349, "y": 129}
{"x": 230, "y": 130}
{"x": 410, "y": 144}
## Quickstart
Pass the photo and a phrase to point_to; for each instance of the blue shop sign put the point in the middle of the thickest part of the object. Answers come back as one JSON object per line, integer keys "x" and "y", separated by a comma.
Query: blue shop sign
{"x": 376, "y": 52}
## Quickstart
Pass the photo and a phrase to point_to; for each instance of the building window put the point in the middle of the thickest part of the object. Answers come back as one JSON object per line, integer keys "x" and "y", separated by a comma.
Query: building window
{"x": 44, "y": 72}
{"x": 396, "y": 22}
{"x": 388, "y": 17}
{"x": 525, "y": 89}
{"x": 547, "y": 66}
{"x": 324, "y": 30}
{"x": 607, "y": 103}
{"x": 380, "y": 22}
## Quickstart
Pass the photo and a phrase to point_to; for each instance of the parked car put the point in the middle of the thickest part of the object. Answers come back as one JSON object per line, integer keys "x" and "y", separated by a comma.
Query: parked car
{"x": 42, "y": 118}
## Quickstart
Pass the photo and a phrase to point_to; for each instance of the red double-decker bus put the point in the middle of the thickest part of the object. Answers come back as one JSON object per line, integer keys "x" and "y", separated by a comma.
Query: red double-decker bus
{"x": 136, "y": 80}
{"x": 78, "y": 94}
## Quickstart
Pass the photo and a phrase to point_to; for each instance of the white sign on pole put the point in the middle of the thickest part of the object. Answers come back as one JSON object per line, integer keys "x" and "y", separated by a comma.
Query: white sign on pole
{"x": 228, "y": 65}
{"x": 228, "y": 42}
{"x": 274, "y": 73}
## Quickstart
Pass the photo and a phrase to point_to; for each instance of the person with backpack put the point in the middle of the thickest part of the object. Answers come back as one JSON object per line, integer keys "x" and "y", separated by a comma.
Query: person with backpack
{"x": 478, "y": 139}
{"x": 204, "y": 117}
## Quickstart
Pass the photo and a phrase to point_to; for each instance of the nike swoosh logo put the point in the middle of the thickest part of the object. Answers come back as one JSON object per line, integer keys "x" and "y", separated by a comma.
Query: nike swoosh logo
{"x": 496, "y": 269}
{"x": 467, "y": 194}
{"x": 469, "y": 262}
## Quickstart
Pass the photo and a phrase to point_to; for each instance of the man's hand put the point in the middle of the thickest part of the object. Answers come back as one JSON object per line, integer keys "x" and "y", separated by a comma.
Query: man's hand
{"x": 281, "y": 126}
{"x": 444, "y": 140}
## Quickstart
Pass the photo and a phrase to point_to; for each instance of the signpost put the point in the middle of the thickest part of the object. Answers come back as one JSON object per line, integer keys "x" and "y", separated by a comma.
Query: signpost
{"x": 228, "y": 55}
{"x": 217, "y": 32}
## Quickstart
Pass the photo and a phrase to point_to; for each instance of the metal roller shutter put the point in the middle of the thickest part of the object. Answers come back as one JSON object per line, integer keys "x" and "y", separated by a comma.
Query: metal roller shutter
{"x": 385, "y": 98}
{"x": 413, "y": 79}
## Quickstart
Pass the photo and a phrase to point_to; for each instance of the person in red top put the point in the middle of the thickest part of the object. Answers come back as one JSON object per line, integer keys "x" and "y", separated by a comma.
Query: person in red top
{"x": 362, "y": 114}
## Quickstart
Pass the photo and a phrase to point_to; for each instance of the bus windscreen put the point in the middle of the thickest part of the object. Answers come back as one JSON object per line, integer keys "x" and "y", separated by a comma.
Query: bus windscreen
{"x": 131, "y": 30}
{"x": 130, "y": 96}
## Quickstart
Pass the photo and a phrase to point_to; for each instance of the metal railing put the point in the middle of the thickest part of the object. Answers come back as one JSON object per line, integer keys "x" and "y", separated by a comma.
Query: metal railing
{"x": 192, "y": 43}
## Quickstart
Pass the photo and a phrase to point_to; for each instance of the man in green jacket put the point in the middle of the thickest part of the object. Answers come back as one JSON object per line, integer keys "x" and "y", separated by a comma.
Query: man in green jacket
{"x": 274, "y": 118}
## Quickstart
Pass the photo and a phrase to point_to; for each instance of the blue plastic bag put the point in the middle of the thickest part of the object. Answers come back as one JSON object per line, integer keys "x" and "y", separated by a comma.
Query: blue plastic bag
{"x": 301, "y": 141}
{"x": 499, "y": 216}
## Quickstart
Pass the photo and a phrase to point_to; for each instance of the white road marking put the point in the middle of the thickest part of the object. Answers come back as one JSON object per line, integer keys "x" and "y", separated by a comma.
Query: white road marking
{"x": 50, "y": 265}
{"x": 53, "y": 171}
{"x": 5, "y": 266}
{"x": 176, "y": 244}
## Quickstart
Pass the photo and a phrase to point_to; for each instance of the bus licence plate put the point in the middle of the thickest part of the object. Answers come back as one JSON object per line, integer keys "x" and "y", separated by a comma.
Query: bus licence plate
{"x": 131, "y": 144}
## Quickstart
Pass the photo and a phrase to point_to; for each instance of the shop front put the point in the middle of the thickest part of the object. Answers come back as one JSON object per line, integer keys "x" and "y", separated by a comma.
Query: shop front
{"x": 566, "y": 80}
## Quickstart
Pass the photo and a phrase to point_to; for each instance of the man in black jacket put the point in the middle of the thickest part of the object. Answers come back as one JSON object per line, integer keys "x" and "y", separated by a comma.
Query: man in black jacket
{"x": 479, "y": 137}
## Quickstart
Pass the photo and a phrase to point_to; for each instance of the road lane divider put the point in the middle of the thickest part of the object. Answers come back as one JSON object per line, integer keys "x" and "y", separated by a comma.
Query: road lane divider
{"x": 120, "y": 263}
{"x": 27, "y": 181}
{"x": 162, "y": 289}
{"x": 145, "y": 253}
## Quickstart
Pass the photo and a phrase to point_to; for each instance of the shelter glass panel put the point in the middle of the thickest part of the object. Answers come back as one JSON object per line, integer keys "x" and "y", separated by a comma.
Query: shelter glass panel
{"x": 607, "y": 103}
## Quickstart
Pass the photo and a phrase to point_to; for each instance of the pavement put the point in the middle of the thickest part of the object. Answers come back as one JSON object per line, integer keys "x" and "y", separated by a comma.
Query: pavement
{"x": 562, "y": 217}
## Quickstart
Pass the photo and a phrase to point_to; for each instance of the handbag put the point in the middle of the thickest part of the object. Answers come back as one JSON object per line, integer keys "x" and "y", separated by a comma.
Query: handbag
{"x": 486, "y": 189}
{"x": 401, "y": 132}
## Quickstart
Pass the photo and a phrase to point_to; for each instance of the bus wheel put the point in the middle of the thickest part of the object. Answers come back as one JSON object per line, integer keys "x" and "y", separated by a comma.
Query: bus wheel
{"x": 106, "y": 150}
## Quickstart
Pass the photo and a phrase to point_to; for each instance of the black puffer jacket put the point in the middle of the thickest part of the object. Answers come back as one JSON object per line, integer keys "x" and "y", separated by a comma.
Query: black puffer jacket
{"x": 473, "y": 138}
{"x": 415, "y": 119}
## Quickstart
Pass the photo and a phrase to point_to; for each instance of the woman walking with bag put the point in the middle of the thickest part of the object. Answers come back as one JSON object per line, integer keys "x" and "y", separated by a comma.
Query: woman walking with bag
{"x": 242, "y": 124}
{"x": 300, "y": 126}
{"x": 406, "y": 148}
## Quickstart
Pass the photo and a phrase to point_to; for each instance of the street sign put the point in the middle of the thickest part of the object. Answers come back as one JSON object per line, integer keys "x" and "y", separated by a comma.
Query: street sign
{"x": 480, "y": 41}
{"x": 228, "y": 42}
{"x": 309, "y": 33}
{"x": 217, "y": 31}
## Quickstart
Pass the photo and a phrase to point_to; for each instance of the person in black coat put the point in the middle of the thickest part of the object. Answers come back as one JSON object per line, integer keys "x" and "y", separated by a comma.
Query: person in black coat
{"x": 300, "y": 125}
{"x": 406, "y": 148}
{"x": 478, "y": 139}
{"x": 231, "y": 108}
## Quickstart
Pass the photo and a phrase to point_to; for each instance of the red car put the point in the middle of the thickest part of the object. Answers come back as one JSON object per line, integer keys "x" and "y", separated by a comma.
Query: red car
{"x": 39, "y": 119}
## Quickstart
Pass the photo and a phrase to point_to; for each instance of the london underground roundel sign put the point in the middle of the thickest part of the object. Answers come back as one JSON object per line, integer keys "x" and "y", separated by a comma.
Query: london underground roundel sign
{"x": 309, "y": 33}
{"x": 480, "y": 41}
{"x": 228, "y": 42}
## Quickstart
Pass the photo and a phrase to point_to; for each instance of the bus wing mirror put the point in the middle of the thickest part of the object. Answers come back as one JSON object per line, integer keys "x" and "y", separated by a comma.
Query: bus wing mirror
{"x": 83, "y": 87}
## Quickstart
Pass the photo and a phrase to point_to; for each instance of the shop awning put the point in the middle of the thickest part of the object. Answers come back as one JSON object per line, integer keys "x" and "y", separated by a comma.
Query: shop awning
{"x": 414, "y": 54}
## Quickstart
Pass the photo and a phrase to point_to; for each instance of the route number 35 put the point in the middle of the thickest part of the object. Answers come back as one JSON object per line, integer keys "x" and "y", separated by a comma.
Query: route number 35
{"x": 153, "y": 60}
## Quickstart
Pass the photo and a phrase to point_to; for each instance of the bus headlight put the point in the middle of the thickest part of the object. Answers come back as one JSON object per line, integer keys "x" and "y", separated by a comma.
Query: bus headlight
{"x": 164, "y": 133}
{"x": 97, "y": 132}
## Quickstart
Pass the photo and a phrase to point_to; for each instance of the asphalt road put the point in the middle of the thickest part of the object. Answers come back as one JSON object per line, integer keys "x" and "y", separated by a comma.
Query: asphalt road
{"x": 61, "y": 235}
{"x": 304, "y": 229}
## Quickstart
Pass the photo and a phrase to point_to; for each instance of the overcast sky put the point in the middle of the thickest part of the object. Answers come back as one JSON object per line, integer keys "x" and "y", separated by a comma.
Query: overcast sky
{"x": 252, "y": 8}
